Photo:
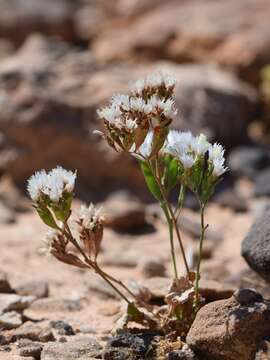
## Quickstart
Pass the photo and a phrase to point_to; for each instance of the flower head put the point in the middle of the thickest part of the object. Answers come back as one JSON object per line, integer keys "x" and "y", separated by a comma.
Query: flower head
{"x": 200, "y": 144}
{"x": 53, "y": 184}
{"x": 178, "y": 144}
{"x": 37, "y": 184}
{"x": 216, "y": 157}
{"x": 90, "y": 216}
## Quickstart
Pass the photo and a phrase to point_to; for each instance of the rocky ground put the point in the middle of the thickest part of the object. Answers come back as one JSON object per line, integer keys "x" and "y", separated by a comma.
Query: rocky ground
{"x": 59, "y": 62}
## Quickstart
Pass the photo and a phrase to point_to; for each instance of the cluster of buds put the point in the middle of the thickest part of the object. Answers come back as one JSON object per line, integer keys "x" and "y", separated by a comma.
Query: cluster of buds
{"x": 52, "y": 194}
{"x": 200, "y": 163}
{"x": 91, "y": 220}
{"x": 148, "y": 107}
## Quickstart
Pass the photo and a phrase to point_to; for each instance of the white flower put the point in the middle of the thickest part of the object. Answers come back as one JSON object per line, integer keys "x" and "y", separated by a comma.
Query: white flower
{"x": 159, "y": 79}
{"x": 146, "y": 148}
{"x": 50, "y": 236}
{"x": 52, "y": 184}
{"x": 178, "y": 144}
{"x": 216, "y": 156}
{"x": 91, "y": 216}
{"x": 216, "y": 151}
{"x": 66, "y": 177}
{"x": 169, "y": 80}
{"x": 200, "y": 144}
{"x": 187, "y": 160}
{"x": 138, "y": 104}
{"x": 109, "y": 113}
{"x": 138, "y": 86}
{"x": 37, "y": 184}
{"x": 153, "y": 81}
{"x": 167, "y": 107}
{"x": 120, "y": 100}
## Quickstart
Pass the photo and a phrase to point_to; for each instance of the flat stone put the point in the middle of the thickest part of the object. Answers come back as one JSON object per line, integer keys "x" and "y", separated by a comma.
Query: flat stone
{"x": 39, "y": 289}
{"x": 55, "y": 304}
{"x": 33, "y": 331}
{"x": 81, "y": 348}
{"x": 15, "y": 302}
{"x": 10, "y": 320}
{"x": 28, "y": 348}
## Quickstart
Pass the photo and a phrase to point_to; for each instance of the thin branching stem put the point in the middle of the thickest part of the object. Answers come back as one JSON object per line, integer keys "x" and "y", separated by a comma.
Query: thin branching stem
{"x": 203, "y": 229}
{"x": 172, "y": 216}
{"x": 96, "y": 268}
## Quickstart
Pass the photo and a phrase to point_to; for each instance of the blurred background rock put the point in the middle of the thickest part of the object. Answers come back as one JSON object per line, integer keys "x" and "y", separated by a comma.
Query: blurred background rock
{"x": 61, "y": 60}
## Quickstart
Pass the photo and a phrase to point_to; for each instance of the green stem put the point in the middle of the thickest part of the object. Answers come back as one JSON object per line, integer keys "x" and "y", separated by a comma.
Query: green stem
{"x": 203, "y": 229}
{"x": 169, "y": 221}
{"x": 180, "y": 202}
{"x": 172, "y": 216}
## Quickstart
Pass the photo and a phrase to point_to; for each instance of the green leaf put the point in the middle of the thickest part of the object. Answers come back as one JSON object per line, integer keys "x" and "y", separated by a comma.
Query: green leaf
{"x": 46, "y": 216}
{"x": 171, "y": 172}
{"x": 62, "y": 209}
{"x": 135, "y": 314}
{"x": 151, "y": 181}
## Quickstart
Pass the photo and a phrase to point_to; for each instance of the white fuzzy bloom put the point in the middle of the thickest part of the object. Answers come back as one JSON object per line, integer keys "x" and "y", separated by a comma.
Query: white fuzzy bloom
{"x": 187, "y": 160}
{"x": 167, "y": 107}
{"x": 146, "y": 148}
{"x": 216, "y": 155}
{"x": 138, "y": 86}
{"x": 66, "y": 177}
{"x": 153, "y": 81}
{"x": 120, "y": 100}
{"x": 178, "y": 144}
{"x": 52, "y": 184}
{"x": 200, "y": 144}
{"x": 138, "y": 104}
{"x": 50, "y": 236}
{"x": 109, "y": 113}
{"x": 37, "y": 184}
{"x": 91, "y": 216}
{"x": 169, "y": 80}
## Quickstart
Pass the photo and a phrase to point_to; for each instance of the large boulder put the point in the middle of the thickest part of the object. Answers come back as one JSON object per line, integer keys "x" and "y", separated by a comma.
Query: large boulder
{"x": 19, "y": 18}
{"x": 233, "y": 33}
{"x": 256, "y": 245}
{"x": 49, "y": 95}
{"x": 231, "y": 329}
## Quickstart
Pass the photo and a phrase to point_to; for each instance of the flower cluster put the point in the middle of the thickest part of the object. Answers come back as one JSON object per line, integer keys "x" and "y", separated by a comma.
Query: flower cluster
{"x": 188, "y": 149}
{"x": 148, "y": 107}
{"x": 52, "y": 194}
{"x": 52, "y": 185}
{"x": 201, "y": 163}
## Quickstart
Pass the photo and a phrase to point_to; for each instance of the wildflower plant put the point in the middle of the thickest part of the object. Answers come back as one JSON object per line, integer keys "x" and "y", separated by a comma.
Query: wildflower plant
{"x": 138, "y": 123}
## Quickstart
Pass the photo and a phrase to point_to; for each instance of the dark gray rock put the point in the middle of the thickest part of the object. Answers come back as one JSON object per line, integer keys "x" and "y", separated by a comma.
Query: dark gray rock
{"x": 62, "y": 327}
{"x": 132, "y": 345}
{"x": 248, "y": 161}
{"x": 262, "y": 183}
{"x": 256, "y": 245}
